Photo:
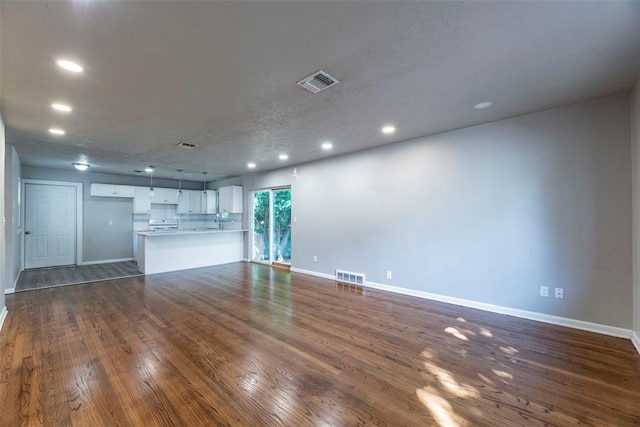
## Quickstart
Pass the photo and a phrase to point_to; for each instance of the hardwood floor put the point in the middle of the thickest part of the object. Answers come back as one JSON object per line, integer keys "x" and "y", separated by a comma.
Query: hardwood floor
{"x": 246, "y": 345}
{"x": 74, "y": 274}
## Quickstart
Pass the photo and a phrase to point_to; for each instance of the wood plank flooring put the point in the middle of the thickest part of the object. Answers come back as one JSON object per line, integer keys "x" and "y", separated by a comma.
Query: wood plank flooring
{"x": 39, "y": 278}
{"x": 247, "y": 345}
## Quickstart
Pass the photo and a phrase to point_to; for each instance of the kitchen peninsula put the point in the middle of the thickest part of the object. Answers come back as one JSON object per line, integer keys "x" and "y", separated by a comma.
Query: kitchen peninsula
{"x": 164, "y": 251}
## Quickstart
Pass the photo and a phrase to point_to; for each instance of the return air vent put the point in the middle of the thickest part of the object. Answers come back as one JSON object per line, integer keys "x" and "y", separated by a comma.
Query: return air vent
{"x": 317, "y": 82}
{"x": 349, "y": 277}
{"x": 187, "y": 145}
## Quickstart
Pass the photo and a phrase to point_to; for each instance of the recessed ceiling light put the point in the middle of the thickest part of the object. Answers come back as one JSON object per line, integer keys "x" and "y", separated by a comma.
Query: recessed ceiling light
{"x": 57, "y": 131}
{"x": 81, "y": 166}
{"x": 388, "y": 129}
{"x": 327, "y": 146}
{"x": 283, "y": 157}
{"x": 61, "y": 107}
{"x": 251, "y": 165}
{"x": 483, "y": 105}
{"x": 70, "y": 65}
{"x": 149, "y": 169}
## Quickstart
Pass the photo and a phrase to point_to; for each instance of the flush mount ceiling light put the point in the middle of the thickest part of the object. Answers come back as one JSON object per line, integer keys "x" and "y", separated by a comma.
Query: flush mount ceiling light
{"x": 149, "y": 169}
{"x": 283, "y": 157}
{"x": 327, "y": 146}
{"x": 483, "y": 105}
{"x": 81, "y": 166}
{"x": 388, "y": 129}
{"x": 70, "y": 66}
{"x": 251, "y": 165}
{"x": 61, "y": 107}
{"x": 57, "y": 131}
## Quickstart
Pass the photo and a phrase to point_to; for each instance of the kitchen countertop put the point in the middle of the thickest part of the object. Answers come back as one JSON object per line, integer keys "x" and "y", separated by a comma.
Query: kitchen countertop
{"x": 187, "y": 231}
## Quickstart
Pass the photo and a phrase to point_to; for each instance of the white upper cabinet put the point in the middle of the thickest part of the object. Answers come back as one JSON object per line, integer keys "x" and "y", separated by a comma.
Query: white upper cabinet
{"x": 210, "y": 202}
{"x": 230, "y": 199}
{"x": 142, "y": 200}
{"x": 168, "y": 196}
{"x": 110, "y": 190}
{"x": 190, "y": 202}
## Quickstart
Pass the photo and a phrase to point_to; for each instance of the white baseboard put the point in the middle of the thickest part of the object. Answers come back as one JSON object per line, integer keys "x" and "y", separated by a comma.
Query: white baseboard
{"x": 3, "y": 315}
{"x": 106, "y": 261}
{"x": 312, "y": 273}
{"x": 636, "y": 341}
{"x": 10, "y": 291}
{"x": 530, "y": 315}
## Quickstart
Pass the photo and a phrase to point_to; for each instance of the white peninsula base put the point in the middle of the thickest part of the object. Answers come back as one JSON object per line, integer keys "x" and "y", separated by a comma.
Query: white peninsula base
{"x": 161, "y": 252}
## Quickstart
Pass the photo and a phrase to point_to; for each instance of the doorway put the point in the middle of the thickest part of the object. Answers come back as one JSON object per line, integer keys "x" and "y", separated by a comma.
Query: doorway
{"x": 52, "y": 224}
{"x": 271, "y": 226}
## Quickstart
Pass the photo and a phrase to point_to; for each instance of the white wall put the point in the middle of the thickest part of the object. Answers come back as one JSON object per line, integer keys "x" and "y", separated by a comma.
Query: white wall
{"x": 12, "y": 203}
{"x": 487, "y": 213}
{"x": 635, "y": 140}
{"x": 3, "y": 285}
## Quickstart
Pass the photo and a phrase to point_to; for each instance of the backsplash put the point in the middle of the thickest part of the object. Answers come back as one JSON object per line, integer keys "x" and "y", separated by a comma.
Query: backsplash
{"x": 185, "y": 221}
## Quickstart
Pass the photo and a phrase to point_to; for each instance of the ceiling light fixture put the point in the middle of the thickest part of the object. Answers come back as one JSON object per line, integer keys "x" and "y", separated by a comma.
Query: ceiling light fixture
{"x": 70, "y": 65}
{"x": 283, "y": 157}
{"x": 251, "y": 165}
{"x": 150, "y": 170}
{"x": 61, "y": 107}
{"x": 483, "y": 105}
{"x": 179, "y": 182}
{"x": 204, "y": 184}
{"x": 327, "y": 146}
{"x": 388, "y": 129}
{"x": 57, "y": 131}
{"x": 81, "y": 166}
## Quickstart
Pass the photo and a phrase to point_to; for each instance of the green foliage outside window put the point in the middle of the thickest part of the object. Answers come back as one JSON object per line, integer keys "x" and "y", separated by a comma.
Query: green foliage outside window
{"x": 281, "y": 226}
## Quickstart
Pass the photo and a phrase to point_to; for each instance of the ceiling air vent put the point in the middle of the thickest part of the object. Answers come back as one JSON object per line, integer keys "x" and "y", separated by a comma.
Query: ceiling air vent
{"x": 317, "y": 82}
{"x": 186, "y": 145}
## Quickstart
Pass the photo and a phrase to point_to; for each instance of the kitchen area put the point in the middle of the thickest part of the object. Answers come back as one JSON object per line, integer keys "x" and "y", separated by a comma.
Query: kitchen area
{"x": 176, "y": 229}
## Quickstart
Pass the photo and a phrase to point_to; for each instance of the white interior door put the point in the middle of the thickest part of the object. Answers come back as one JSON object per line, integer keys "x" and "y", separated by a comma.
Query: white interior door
{"x": 50, "y": 225}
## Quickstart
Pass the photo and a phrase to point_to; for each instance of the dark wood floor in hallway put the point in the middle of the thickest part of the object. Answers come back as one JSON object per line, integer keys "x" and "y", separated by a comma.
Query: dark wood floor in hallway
{"x": 245, "y": 345}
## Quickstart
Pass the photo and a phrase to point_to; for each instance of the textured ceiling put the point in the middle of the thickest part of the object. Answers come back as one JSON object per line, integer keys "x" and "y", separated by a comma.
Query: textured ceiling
{"x": 223, "y": 75}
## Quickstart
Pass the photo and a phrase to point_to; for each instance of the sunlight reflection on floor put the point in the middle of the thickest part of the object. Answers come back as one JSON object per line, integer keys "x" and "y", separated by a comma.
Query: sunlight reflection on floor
{"x": 442, "y": 384}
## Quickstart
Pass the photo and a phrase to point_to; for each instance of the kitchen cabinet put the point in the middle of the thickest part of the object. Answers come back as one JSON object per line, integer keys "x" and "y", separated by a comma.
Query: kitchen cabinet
{"x": 210, "y": 202}
{"x": 142, "y": 200}
{"x": 110, "y": 190}
{"x": 230, "y": 199}
{"x": 190, "y": 202}
{"x": 167, "y": 196}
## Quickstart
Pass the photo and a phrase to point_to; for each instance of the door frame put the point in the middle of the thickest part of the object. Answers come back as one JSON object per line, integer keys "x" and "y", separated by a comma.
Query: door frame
{"x": 79, "y": 210}
{"x": 251, "y": 213}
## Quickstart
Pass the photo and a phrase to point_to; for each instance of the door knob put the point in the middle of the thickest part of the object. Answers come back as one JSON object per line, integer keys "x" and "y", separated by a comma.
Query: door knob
{"x": 27, "y": 232}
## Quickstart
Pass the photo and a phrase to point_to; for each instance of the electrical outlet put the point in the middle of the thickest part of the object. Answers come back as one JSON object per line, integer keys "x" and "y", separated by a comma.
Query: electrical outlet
{"x": 389, "y": 274}
{"x": 110, "y": 222}
{"x": 544, "y": 291}
{"x": 315, "y": 258}
{"x": 295, "y": 219}
{"x": 559, "y": 293}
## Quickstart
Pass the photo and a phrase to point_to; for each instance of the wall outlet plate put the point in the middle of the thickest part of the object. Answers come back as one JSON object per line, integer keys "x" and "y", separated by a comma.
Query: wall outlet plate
{"x": 544, "y": 291}
{"x": 389, "y": 274}
{"x": 559, "y": 293}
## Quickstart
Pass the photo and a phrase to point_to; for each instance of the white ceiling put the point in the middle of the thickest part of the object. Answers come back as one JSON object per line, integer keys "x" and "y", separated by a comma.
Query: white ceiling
{"x": 223, "y": 75}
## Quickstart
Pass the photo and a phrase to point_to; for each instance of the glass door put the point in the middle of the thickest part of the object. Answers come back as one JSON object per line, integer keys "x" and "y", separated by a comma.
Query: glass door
{"x": 271, "y": 226}
{"x": 281, "y": 226}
